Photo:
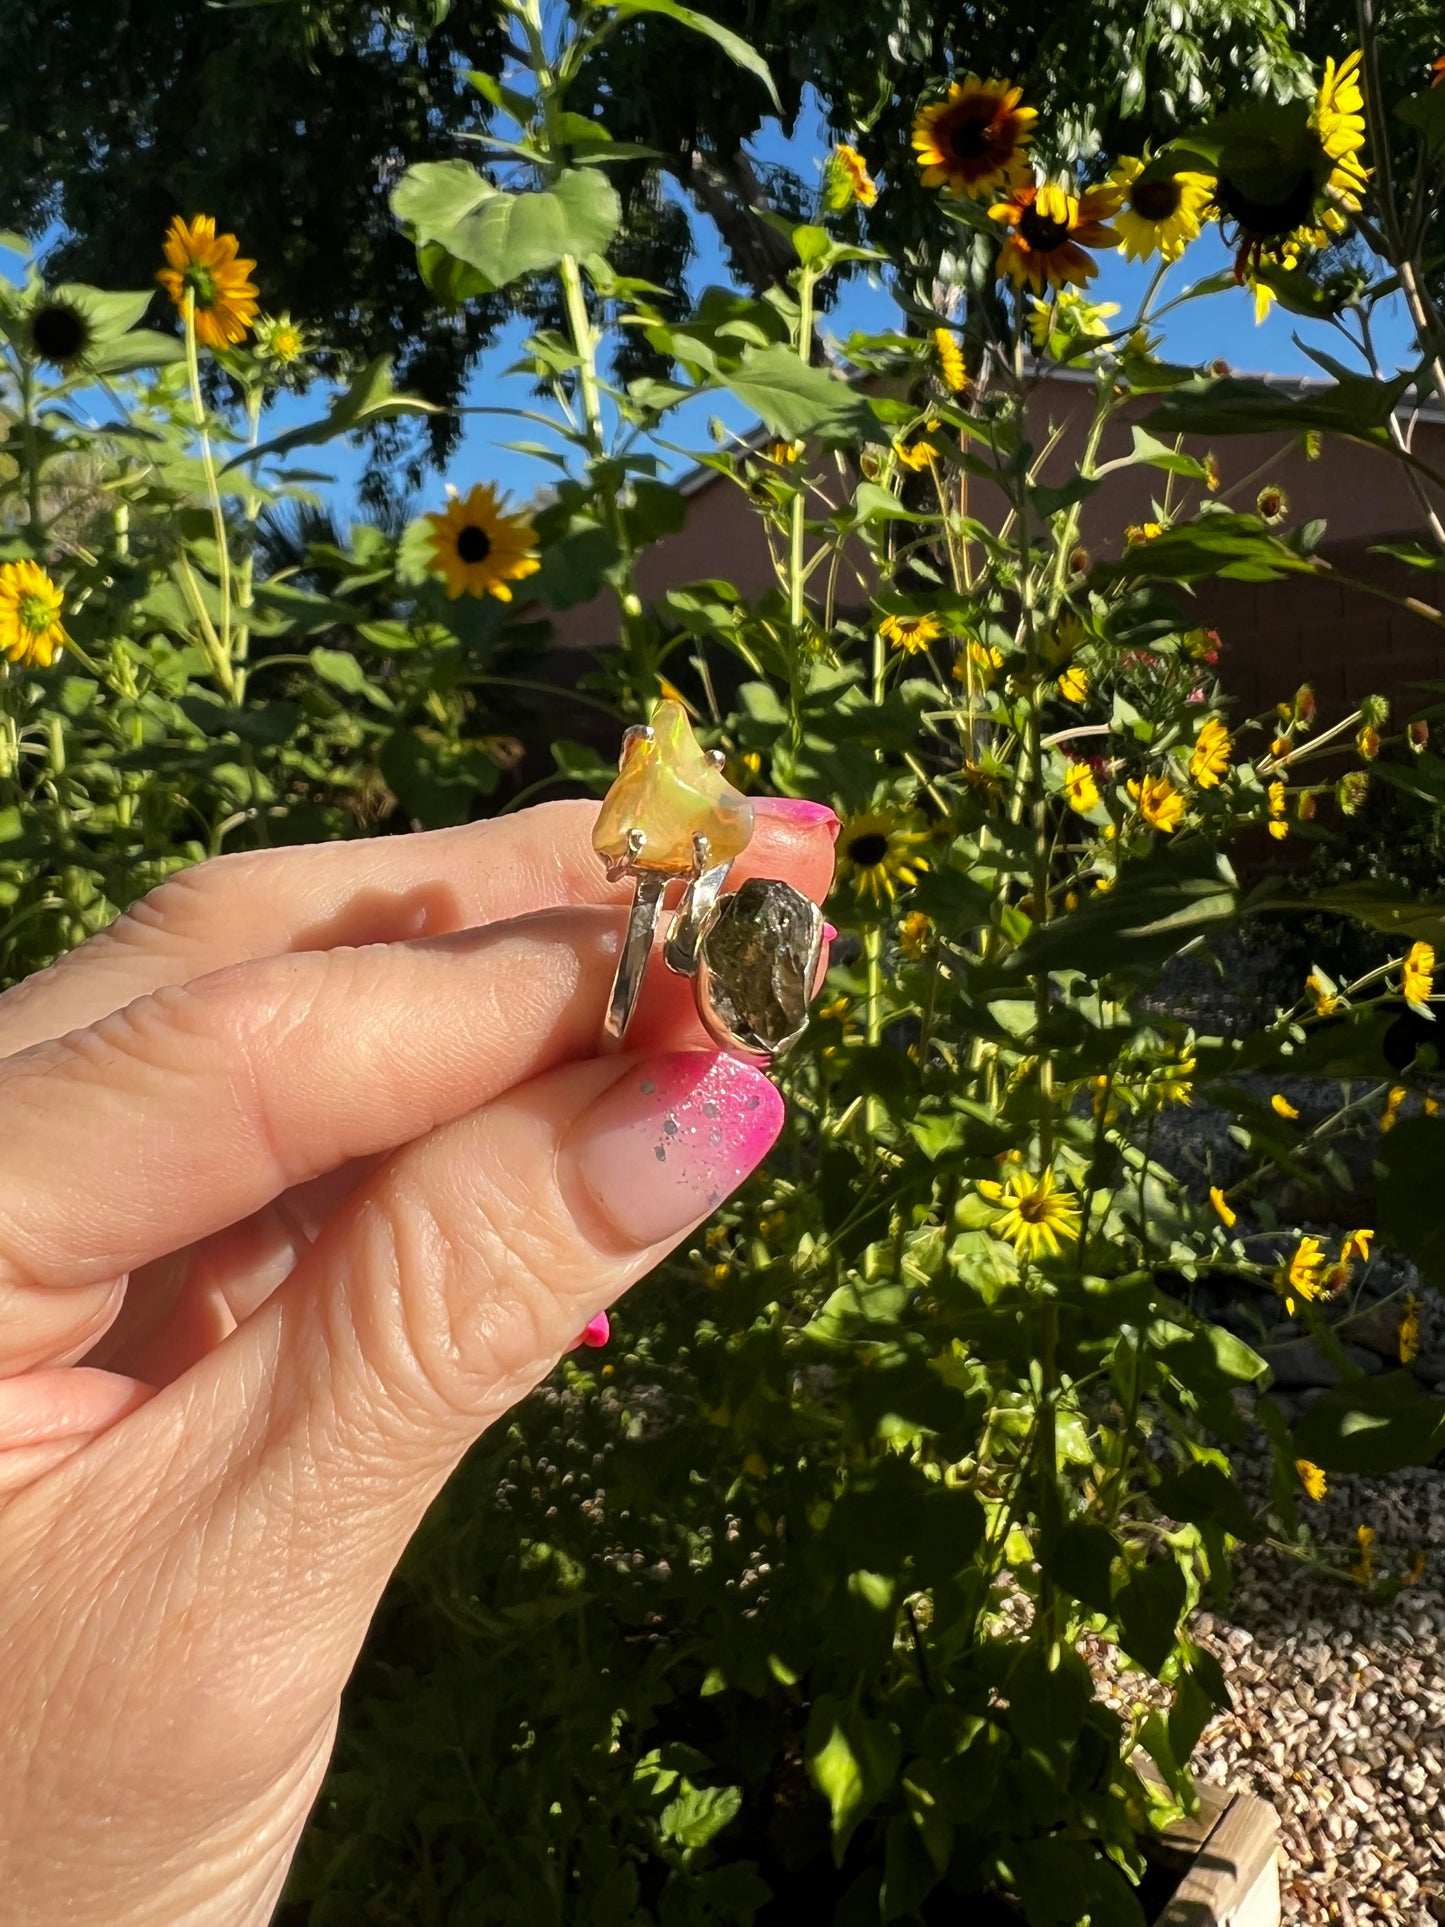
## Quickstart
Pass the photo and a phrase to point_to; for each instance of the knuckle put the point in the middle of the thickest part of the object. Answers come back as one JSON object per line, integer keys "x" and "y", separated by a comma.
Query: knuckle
{"x": 458, "y": 1315}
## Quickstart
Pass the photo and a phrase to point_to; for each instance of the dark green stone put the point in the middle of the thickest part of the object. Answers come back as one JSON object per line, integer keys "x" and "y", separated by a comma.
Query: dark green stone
{"x": 759, "y": 955}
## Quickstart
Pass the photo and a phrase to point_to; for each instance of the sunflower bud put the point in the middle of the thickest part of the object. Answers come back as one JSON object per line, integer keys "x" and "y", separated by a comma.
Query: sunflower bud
{"x": 1418, "y": 735}
{"x": 1314, "y": 444}
{"x": 1351, "y": 792}
{"x": 1272, "y": 504}
{"x": 1304, "y": 704}
{"x": 1375, "y": 710}
{"x": 1367, "y": 742}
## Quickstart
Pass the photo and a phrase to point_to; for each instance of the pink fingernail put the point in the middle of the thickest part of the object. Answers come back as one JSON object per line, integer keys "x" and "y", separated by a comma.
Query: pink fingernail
{"x": 668, "y": 1142}
{"x": 829, "y": 933}
{"x": 799, "y": 811}
{"x": 594, "y": 1334}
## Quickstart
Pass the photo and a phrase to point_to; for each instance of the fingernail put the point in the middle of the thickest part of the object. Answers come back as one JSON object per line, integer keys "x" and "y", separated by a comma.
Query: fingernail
{"x": 829, "y": 933}
{"x": 594, "y": 1334}
{"x": 800, "y": 812}
{"x": 668, "y": 1142}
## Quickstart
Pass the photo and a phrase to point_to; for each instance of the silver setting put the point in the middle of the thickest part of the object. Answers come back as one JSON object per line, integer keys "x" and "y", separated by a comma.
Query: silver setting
{"x": 757, "y": 963}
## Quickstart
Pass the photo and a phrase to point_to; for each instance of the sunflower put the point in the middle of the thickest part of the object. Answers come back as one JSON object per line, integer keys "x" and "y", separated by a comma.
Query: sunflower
{"x": 877, "y": 852}
{"x": 1032, "y": 1214}
{"x": 1159, "y": 216}
{"x": 205, "y": 265}
{"x": 1209, "y": 759}
{"x": 1417, "y": 974}
{"x": 846, "y": 179}
{"x": 30, "y": 605}
{"x": 1158, "y": 802}
{"x": 915, "y": 934}
{"x": 60, "y": 331}
{"x": 1080, "y": 788}
{"x": 1305, "y": 1272}
{"x": 917, "y": 451}
{"x": 912, "y": 634}
{"x": 1312, "y": 1479}
{"x": 1049, "y": 229}
{"x": 951, "y": 371}
{"x": 1278, "y": 828}
{"x": 280, "y": 340}
{"x": 1297, "y": 189}
{"x": 477, "y": 547}
{"x": 973, "y": 140}
{"x": 1074, "y": 684}
{"x": 1357, "y": 1245}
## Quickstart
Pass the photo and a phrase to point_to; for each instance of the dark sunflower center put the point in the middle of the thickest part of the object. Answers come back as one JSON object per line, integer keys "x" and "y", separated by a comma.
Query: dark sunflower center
{"x": 473, "y": 544}
{"x": 868, "y": 850}
{"x": 971, "y": 136}
{"x": 1033, "y": 1209}
{"x": 1269, "y": 220}
{"x": 1041, "y": 231}
{"x": 1156, "y": 200}
{"x": 58, "y": 333}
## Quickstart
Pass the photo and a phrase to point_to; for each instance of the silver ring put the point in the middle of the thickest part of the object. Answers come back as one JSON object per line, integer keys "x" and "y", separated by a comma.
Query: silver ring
{"x": 753, "y": 956}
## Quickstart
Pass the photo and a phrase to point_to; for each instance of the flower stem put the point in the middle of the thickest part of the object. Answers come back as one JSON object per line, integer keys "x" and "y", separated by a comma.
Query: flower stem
{"x": 208, "y": 463}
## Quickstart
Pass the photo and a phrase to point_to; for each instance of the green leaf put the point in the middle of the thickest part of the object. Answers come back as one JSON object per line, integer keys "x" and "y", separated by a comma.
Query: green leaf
{"x": 503, "y": 237}
{"x": 1373, "y": 1424}
{"x": 1408, "y": 1199}
{"x": 796, "y": 401}
{"x": 1147, "y": 448}
{"x": 699, "y": 1815}
{"x": 1411, "y": 916}
{"x": 370, "y": 398}
{"x": 1157, "y": 905}
{"x": 733, "y": 45}
{"x": 1357, "y": 406}
{"x": 1150, "y": 1604}
{"x": 1062, "y": 1882}
{"x": 1083, "y": 1562}
{"x": 852, "y": 1760}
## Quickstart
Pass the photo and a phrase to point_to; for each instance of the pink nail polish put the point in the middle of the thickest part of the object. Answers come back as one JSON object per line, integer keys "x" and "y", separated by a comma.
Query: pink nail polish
{"x": 594, "y": 1334}
{"x": 667, "y": 1143}
{"x": 799, "y": 811}
{"x": 830, "y": 935}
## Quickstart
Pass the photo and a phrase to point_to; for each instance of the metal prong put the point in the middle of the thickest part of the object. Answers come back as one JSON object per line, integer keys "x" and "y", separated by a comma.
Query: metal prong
{"x": 634, "y": 734}
{"x": 718, "y": 758}
{"x": 701, "y": 853}
{"x": 636, "y": 949}
{"x": 620, "y": 867}
{"x": 693, "y": 915}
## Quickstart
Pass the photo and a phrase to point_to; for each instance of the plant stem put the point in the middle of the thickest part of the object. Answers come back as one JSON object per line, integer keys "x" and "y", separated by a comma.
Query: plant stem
{"x": 218, "y": 518}
{"x": 796, "y": 527}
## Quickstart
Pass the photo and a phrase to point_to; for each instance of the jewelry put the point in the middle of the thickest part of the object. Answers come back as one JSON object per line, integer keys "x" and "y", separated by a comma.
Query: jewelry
{"x": 672, "y": 816}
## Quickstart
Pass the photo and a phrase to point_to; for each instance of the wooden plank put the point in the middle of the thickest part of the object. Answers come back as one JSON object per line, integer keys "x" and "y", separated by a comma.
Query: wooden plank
{"x": 1234, "y": 1879}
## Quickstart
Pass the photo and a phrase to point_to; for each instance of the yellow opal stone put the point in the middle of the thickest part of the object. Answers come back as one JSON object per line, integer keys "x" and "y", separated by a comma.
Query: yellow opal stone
{"x": 669, "y": 790}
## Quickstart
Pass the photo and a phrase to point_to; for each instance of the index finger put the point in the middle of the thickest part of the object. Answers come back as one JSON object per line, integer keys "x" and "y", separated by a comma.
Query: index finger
{"x": 266, "y": 903}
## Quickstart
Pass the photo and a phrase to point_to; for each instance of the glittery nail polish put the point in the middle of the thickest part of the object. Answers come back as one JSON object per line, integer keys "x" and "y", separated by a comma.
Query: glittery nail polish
{"x": 671, "y": 1139}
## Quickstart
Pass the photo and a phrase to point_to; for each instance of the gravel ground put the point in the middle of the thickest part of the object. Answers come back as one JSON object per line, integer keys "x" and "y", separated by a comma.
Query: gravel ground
{"x": 1339, "y": 1712}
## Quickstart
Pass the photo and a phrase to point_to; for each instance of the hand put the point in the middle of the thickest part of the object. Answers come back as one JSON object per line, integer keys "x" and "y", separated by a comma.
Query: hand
{"x": 308, "y": 1171}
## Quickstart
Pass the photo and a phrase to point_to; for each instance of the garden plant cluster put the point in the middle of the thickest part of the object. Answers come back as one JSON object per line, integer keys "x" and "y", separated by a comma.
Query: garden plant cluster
{"x": 780, "y": 1599}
